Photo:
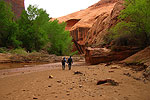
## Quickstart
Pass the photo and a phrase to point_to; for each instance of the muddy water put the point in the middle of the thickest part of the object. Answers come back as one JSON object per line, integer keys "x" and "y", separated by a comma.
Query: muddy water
{"x": 18, "y": 69}
{"x": 18, "y": 65}
{"x": 13, "y": 69}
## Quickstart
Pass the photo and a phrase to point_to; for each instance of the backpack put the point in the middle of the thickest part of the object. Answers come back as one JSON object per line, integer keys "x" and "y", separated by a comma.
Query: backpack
{"x": 63, "y": 61}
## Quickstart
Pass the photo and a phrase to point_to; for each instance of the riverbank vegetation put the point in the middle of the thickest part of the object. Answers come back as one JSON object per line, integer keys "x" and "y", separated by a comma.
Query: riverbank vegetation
{"x": 33, "y": 31}
{"x": 133, "y": 28}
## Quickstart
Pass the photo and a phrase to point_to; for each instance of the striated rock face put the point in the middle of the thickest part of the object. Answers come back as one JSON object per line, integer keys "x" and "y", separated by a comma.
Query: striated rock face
{"x": 79, "y": 23}
{"x": 104, "y": 22}
{"x": 17, "y": 6}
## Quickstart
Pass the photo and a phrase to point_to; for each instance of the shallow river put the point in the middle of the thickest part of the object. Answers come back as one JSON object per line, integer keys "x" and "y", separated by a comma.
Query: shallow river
{"x": 15, "y": 69}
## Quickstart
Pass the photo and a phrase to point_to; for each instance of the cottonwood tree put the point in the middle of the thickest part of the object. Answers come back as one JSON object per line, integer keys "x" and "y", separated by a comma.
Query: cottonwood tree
{"x": 31, "y": 28}
{"x": 137, "y": 12}
{"x": 8, "y": 26}
{"x": 60, "y": 39}
{"x": 134, "y": 27}
{"x": 37, "y": 32}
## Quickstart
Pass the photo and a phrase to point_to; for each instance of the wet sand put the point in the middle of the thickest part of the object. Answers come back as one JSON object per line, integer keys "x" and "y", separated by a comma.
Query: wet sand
{"x": 34, "y": 83}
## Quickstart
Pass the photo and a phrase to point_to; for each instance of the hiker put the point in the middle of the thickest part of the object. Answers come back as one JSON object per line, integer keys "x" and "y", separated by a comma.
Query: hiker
{"x": 63, "y": 63}
{"x": 70, "y": 61}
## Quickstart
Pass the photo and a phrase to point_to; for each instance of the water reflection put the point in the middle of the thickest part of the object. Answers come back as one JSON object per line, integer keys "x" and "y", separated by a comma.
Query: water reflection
{"x": 18, "y": 65}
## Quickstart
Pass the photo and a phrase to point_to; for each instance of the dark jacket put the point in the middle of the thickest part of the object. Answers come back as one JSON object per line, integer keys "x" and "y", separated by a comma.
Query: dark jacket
{"x": 70, "y": 61}
{"x": 63, "y": 61}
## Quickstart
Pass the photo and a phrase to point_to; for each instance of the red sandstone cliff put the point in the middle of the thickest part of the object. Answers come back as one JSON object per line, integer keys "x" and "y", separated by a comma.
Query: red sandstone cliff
{"x": 17, "y": 6}
{"x": 104, "y": 22}
{"x": 89, "y": 26}
{"x": 86, "y": 26}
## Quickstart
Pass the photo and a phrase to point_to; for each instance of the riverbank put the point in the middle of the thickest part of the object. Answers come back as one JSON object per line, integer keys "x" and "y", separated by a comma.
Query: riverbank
{"x": 76, "y": 84}
{"x": 34, "y": 58}
{"x": 9, "y": 60}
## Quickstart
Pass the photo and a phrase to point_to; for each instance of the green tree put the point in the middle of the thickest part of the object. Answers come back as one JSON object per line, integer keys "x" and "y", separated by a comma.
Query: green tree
{"x": 8, "y": 27}
{"x": 31, "y": 27}
{"x": 37, "y": 32}
{"x": 137, "y": 12}
{"x": 134, "y": 27}
{"x": 60, "y": 39}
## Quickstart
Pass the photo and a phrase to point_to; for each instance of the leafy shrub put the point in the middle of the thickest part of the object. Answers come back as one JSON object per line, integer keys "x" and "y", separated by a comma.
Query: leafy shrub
{"x": 133, "y": 28}
{"x": 19, "y": 51}
{"x": 3, "y": 50}
{"x": 125, "y": 34}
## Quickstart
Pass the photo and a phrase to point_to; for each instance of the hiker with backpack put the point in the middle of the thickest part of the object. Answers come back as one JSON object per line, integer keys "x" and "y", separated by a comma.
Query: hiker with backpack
{"x": 70, "y": 62}
{"x": 63, "y": 63}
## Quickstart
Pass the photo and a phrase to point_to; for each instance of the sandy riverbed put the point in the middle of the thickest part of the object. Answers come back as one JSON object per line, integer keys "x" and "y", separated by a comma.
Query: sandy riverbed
{"x": 34, "y": 83}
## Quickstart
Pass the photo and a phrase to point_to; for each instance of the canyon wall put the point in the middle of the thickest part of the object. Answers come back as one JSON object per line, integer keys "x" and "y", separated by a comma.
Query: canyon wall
{"x": 85, "y": 25}
{"x": 104, "y": 22}
{"x": 17, "y": 6}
